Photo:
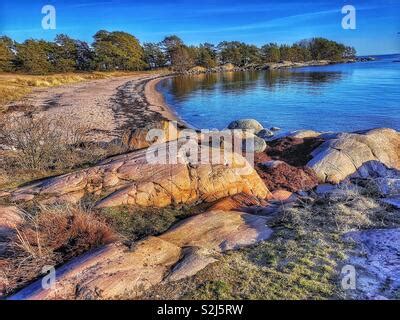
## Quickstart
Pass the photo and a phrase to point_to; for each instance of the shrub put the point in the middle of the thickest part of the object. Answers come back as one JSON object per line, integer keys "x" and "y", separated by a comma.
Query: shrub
{"x": 41, "y": 143}
{"x": 51, "y": 236}
{"x": 37, "y": 147}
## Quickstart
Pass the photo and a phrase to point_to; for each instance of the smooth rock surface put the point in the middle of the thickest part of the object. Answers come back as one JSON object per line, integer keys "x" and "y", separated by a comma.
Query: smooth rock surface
{"x": 339, "y": 158}
{"x": 283, "y": 196}
{"x": 160, "y": 132}
{"x": 250, "y": 141}
{"x": 242, "y": 202}
{"x": 246, "y": 124}
{"x": 133, "y": 179}
{"x": 114, "y": 272}
{"x": 324, "y": 189}
{"x": 265, "y": 134}
{"x": 303, "y": 134}
{"x": 254, "y": 144}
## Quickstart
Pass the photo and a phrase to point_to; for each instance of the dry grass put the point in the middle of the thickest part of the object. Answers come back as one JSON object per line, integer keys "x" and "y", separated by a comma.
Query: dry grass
{"x": 13, "y": 86}
{"x": 301, "y": 261}
{"x": 50, "y": 236}
{"x": 37, "y": 147}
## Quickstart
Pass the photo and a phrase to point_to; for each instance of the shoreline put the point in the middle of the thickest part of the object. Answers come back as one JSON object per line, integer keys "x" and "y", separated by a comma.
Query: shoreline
{"x": 157, "y": 103}
{"x": 268, "y": 66}
{"x": 156, "y": 100}
{"x": 119, "y": 104}
{"x": 106, "y": 108}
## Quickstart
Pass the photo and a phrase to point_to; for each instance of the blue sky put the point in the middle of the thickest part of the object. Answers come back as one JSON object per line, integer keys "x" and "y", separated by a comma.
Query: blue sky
{"x": 251, "y": 21}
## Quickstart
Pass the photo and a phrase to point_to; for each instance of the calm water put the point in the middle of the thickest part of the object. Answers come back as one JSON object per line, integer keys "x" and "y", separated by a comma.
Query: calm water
{"x": 343, "y": 97}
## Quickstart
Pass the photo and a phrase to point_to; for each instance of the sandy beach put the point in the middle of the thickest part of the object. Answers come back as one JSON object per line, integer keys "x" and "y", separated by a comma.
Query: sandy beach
{"x": 107, "y": 107}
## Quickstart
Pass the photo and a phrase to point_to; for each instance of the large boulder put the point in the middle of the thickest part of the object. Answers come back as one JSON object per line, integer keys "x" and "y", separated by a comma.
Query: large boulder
{"x": 230, "y": 138}
{"x": 137, "y": 179}
{"x": 158, "y": 132}
{"x": 265, "y": 134}
{"x": 342, "y": 156}
{"x": 251, "y": 142}
{"x": 246, "y": 124}
{"x": 115, "y": 272}
{"x": 304, "y": 134}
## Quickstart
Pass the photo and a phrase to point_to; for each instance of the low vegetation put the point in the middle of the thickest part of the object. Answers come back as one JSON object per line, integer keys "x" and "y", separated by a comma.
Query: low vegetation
{"x": 301, "y": 261}
{"x": 49, "y": 235}
{"x": 133, "y": 223}
{"x": 38, "y": 147}
{"x": 54, "y": 234}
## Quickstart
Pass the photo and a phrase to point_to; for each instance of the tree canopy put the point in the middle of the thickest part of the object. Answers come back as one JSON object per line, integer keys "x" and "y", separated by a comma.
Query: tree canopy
{"x": 7, "y": 49}
{"x": 119, "y": 50}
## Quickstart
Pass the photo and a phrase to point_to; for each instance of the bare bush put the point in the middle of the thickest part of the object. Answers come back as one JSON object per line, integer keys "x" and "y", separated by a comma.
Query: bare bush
{"x": 36, "y": 147}
{"x": 39, "y": 143}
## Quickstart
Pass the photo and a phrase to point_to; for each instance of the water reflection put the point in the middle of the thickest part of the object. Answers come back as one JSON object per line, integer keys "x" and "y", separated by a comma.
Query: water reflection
{"x": 343, "y": 97}
{"x": 182, "y": 86}
{"x": 286, "y": 77}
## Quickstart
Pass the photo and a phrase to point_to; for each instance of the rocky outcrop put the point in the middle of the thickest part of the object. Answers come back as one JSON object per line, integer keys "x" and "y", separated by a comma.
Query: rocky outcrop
{"x": 10, "y": 218}
{"x": 232, "y": 138}
{"x": 365, "y": 59}
{"x": 116, "y": 272}
{"x": 290, "y": 64}
{"x": 160, "y": 132}
{"x": 303, "y": 134}
{"x": 345, "y": 154}
{"x": 246, "y": 124}
{"x": 241, "y": 202}
{"x": 152, "y": 177}
{"x": 250, "y": 142}
{"x": 266, "y": 134}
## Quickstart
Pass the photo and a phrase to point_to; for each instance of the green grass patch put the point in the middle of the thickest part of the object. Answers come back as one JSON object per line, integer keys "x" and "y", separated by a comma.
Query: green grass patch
{"x": 134, "y": 223}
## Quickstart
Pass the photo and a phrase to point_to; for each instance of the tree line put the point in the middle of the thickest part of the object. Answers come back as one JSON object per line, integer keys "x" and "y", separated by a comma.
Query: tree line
{"x": 111, "y": 51}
